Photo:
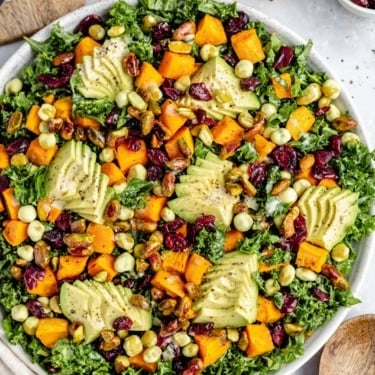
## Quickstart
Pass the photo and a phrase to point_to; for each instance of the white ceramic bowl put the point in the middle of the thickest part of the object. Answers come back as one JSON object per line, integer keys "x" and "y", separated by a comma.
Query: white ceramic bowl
{"x": 23, "y": 55}
{"x": 357, "y": 9}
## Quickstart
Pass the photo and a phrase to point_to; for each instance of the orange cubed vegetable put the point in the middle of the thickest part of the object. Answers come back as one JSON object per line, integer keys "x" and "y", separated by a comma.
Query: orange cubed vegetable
{"x": 104, "y": 262}
{"x": 47, "y": 286}
{"x": 39, "y": 155}
{"x": 15, "y": 232}
{"x": 227, "y": 131}
{"x": 300, "y": 121}
{"x": 170, "y": 117}
{"x": 267, "y": 311}
{"x": 148, "y": 75}
{"x": 104, "y": 238}
{"x": 86, "y": 122}
{"x": 196, "y": 268}
{"x": 282, "y": 86}
{"x": 231, "y": 240}
{"x": 170, "y": 283}
{"x": 2, "y": 207}
{"x": 260, "y": 340}
{"x": 306, "y": 174}
{"x": 248, "y": 46}
{"x": 50, "y": 330}
{"x": 175, "y": 261}
{"x": 4, "y": 157}
{"x": 127, "y": 158}
{"x": 85, "y": 47}
{"x": 175, "y": 65}
{"x": 266, "y": 267}
{"x": 113, "y": 172}
{"x": 311, "y": 256}
{"x": 263, "y": 146}
{"x": 152, "y": 210}
{"x": 182, "y": 140}
{"x": 11, "y": 203}
{"x": 138, "y": 362}
{"x": 307, "y": 162}
{"x": 210, "y": 30}
{"x": 211, "y": 348}
{"x": 328, "y": 182}
{"x": 70, "y": 266}
{"x": 64, "y": 108}
{"x": 32, "y": 120}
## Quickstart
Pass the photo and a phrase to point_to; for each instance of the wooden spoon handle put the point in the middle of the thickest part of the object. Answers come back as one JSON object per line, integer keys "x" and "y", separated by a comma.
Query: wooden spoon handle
{"x": 25, "y": 17}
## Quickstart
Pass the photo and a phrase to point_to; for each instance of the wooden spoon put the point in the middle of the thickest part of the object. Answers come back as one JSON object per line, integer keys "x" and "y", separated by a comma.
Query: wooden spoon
{"x": 351, "y": 350}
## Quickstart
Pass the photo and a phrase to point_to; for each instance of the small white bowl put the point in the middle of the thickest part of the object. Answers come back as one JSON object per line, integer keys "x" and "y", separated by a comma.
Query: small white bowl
{"x": 357, "y": 9}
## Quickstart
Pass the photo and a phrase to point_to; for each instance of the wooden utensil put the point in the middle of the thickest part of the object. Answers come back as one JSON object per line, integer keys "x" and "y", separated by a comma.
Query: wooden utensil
{"x": 25, "y": 17}
{"x": 351, "y": 350}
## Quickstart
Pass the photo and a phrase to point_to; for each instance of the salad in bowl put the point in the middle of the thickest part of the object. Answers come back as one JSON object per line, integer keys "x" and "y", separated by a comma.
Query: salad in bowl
{"x": 182, "y": 192}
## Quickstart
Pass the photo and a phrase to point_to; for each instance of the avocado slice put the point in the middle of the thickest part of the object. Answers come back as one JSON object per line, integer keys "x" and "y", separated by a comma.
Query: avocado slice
{"x": 228, "y": 292}
{"x": 328, "y": 213}
{"x": 201, "y": 192}
{"x": 97, "y": 305}
{"x": 220, "y": 80}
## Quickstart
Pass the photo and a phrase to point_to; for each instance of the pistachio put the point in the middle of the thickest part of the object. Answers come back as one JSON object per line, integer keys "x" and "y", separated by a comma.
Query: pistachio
{"x": 344, "y": 123}
{"x": 14, "y": 122}
{"x": 96, "y": 137}
{"x": 42, "y": 254}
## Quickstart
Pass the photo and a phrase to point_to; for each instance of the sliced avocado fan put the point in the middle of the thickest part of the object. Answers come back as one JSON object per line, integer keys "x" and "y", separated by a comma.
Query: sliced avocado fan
{"x": 102, "y": 74}
{"x": 228, "y": 97}
{"x": 201, "y": 192}
{"x": 229, "y": 293}
{"x": 97, "y": 305}
{"x": 328, "y": 214}
{"x": 75, "y": 182}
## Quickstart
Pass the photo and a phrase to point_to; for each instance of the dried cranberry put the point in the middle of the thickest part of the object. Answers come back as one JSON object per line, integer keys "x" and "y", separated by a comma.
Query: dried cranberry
{"x": 320, "y": 295}
{"x": 55, "y": 238}
{"x": 171, "y": 350}
{"x": 56, "y": 81}
{"x": 157, "y": 48}
{"x": 157, "y": 157}
{"x": 112, "y": 118}
{"x": 179, "y": 364}
{"x": 161, "y": 30}
{"x": 64, "y": 221}
{"x": 200, "y": 91}
{"x": 154, "y": 173}
{"x": 257, "y": 172}
{"x": 133, "y": 143}
{"x": 323, "y": 172}
{"x": 335, "y": 145}
{"x": 322, "y": 157}
{"x": 168, "y": 328}
{"x": 321, "y": 111}
{"x": 172, "y": 226}
{"x": 201, "y": 118}
{"x": 144, "y": 282}
{"x": 292, "y": 243}
{"x": 18, "y": 146}
{"x": 235, "y": 25}
{"x": 129, "y": 283}
{"x": 170, "y": 91}
{"x": 249, "y": 84}
{"x": 32, "y": 275}
{"x": 111, "y": 354}
{"x": 289, "y": 304}
{"x": 231, "y": 60}
{"x": 279, "y": 336}
{"x": 200, "y": 328}
{"x": 286, "y": 158}
{"x": 35, "y": 308}
{"x": 122, "y": 323}
{"x": 175, "y": 241}
{"x": 205, "y": 222}
{"x": 85, "y": 23}
{"x": 283, "y": 57}
{"x": 4, "y": 182}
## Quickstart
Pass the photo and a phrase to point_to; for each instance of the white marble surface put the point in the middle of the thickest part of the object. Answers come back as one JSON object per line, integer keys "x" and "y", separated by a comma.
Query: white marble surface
{"x": 347, "y": 43}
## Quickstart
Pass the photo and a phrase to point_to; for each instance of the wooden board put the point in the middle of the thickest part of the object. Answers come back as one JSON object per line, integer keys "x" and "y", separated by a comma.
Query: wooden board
{"x": 25, "y": 17}
{"x": 351, "y": 350}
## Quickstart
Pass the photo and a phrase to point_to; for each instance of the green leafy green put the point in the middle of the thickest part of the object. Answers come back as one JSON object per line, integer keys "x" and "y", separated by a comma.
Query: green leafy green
{"x": 246, "y": 153}
{"x": 28, "y": 182}
{"x": 135, "y": 194}
{"x": 257, "y": 241}
{"x": 210, "y": 244}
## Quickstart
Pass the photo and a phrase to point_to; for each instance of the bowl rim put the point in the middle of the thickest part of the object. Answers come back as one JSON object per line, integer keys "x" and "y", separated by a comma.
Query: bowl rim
{"x": 22, "y": 56}
{"x": 357, "y": 9}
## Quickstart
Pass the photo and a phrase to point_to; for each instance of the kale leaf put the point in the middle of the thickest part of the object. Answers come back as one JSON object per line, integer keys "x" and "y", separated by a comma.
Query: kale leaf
{"x": 135, "y": 194}
{"x": 210, "y": 244}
